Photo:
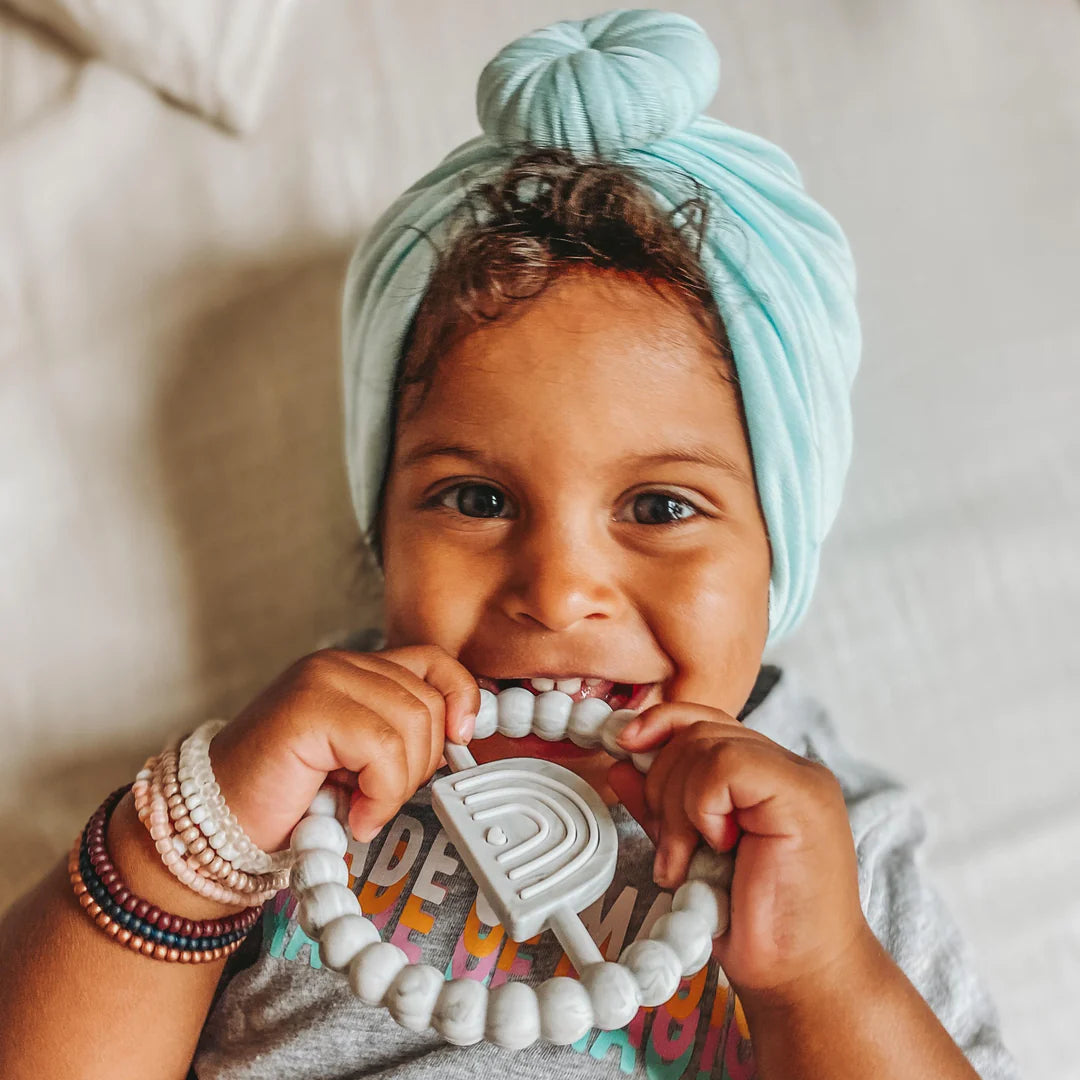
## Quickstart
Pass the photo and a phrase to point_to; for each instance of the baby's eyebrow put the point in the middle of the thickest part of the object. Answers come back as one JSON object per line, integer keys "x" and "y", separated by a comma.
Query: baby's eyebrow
{"x": 436, "y": 448}
{"x": 693, "y": 455}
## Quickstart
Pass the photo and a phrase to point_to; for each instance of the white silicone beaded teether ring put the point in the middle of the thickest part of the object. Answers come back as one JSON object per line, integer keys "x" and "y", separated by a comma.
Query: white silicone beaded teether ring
{"x": 542, "y": 846}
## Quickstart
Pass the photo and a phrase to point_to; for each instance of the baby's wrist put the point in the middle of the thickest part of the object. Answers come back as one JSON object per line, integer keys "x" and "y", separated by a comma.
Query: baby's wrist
{"x": 851, "y": 975}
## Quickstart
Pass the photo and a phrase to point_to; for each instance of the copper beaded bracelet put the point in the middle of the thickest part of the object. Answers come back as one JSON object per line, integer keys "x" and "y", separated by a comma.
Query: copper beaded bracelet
{"x": 135, "y": 922}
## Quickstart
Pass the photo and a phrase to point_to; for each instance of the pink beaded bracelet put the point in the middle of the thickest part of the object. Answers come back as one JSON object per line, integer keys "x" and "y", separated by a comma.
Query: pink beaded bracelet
{"x": 212, "y": 862}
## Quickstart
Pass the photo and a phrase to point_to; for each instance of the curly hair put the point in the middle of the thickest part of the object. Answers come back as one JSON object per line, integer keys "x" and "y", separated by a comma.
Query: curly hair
{"x": 548, "y": 213}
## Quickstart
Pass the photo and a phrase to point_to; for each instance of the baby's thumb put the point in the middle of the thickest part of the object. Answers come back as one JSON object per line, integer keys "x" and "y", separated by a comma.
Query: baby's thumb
{"x": 367, "y": 816}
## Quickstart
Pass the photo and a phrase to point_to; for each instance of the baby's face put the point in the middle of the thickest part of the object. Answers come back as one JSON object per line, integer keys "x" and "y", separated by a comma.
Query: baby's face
{"x": 575, "y": 500}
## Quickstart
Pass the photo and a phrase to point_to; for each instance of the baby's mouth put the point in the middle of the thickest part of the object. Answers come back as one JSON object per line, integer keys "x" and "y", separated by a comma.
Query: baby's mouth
{"x": 619, "y": 695}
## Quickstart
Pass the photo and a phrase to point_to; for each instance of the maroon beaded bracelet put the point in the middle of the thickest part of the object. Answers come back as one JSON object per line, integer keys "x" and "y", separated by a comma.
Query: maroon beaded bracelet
{"x": 136, "y": 922}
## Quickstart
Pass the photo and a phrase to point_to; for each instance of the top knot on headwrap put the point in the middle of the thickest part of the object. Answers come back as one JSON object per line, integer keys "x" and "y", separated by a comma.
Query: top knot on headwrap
{"x": 615, "y": 82}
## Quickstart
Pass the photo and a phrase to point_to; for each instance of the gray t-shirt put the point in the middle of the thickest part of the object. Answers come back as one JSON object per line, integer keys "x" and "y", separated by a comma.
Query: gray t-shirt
{"x": 284, "y": 1015}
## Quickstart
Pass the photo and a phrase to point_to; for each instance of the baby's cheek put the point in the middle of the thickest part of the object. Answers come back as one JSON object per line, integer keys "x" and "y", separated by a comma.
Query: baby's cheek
{"x": 713, "y": 625}
{"x": 430, "y": 596}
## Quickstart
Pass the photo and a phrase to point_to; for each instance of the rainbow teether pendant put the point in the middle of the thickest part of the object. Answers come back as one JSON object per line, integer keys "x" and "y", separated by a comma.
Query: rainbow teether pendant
{"x": 541, "y": 846}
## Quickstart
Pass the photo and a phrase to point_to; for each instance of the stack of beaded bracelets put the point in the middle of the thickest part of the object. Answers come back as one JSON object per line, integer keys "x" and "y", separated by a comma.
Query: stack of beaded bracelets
{"x": 198, "y": 838}
{"x": 202, "y": 845}
{"x": 134, "y": 922}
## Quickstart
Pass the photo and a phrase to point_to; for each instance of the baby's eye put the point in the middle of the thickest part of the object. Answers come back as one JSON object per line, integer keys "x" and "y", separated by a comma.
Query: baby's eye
{"x": 474, "y": 500}
{"x": 660, "y": 508}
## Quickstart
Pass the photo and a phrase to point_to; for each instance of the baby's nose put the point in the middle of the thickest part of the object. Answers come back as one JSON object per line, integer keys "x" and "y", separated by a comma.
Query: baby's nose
{"x": 559, "y": 579}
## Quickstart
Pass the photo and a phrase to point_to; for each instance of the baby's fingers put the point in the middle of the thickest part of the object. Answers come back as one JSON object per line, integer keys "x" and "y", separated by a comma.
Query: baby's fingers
{"x": 383, "y": 783}
{"x": 769, "y": 791}
{"x": 675, "y": 836}
{"x": 660, "y": 723}
{"x": 440, "y": 670}
{"x": 678, "y": 836}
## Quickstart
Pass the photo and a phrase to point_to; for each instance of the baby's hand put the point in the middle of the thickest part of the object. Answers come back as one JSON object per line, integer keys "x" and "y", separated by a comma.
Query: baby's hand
{"x": 375, "y": 722}
{"x": 795, "y": 895}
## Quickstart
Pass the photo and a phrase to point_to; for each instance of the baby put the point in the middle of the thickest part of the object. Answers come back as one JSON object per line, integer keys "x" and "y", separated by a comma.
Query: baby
{"x": 597, "y": 387}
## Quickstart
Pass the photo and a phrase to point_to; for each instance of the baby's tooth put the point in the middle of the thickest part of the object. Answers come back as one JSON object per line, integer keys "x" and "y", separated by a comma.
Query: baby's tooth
{"x": 515, "y": 712}
{"x": 550, "y": 714}
{"x": 568, "y": 686}
{"x": 542, "y": 685}
{"x": 587, "y": 720}
{"x": 487, "y": 719}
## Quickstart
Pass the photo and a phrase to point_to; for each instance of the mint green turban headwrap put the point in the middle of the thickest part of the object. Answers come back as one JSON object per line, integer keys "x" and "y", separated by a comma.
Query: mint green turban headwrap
{"x": 630, "y": 86}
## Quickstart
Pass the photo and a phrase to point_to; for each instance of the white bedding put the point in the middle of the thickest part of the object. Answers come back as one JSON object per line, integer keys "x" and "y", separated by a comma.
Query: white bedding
{"x": 174, "y": 520}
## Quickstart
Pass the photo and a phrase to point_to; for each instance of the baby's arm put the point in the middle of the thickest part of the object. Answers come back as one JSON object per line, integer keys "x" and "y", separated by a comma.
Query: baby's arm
{"x": 859, "y": 1018}
{"x": 74, "y": 1002}
{"x": 822, "y": 995}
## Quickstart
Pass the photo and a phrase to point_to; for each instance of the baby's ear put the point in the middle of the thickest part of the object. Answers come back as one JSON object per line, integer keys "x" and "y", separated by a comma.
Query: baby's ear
{"x": 629, "y": 785}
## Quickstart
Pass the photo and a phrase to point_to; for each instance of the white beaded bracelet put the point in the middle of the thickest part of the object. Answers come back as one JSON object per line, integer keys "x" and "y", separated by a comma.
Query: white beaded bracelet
{"x": 534, "y": 802}
{"x": 207, "y": 809}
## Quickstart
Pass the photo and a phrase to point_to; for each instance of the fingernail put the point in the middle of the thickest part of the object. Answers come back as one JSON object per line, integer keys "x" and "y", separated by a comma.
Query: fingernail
{"x": 660, "y": 866}
{"x": 630, "y": 730}
{"x": 466, "y": 727}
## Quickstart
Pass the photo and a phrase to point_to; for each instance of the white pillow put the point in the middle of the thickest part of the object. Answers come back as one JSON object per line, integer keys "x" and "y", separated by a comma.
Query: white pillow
{"x": 213, "y": 56}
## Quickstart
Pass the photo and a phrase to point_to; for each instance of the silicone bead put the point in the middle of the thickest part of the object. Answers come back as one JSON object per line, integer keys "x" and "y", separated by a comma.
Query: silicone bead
{"x": 565, "y": 1010}
{"x": 513, "y": 1016}
{"x": 688, "y": 935}
{"x": 316, "y": 867}
{"x": 613, "y": 728}
{"x": 587, "y": 718}
{"x": 330, "y": 802}
{"x": 656, "y": 969}
{"x": 487, "y": 717}
{"x": 460, "y": 1013}
{"x": 374, "y": 969}
{"x": 515, "y": 712}
{"x": 717, "y": 868}
{"x": 613, "y": 992}
{"x": 323, "y": 904}
{"x": 412, "y": 995}
{"x": 708, "y": 901}
{"x": 344, "y": 938}
{"x": 551, "y": 713}
{"x": 319, "y": 831}
{"x": 643, "y": 762}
